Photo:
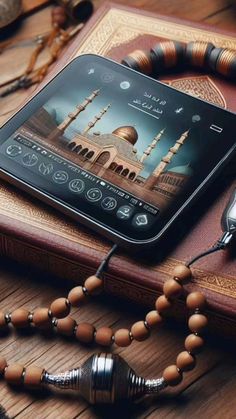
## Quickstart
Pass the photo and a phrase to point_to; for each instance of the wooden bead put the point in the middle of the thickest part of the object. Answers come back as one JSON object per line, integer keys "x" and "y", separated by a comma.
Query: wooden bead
{"x": 13, "y": 374}
{"x": 3, "y": 364}
{"x": 20, "y": 318}
{"x": 197, "y": 323}
{"x": 3, "y": 323}
{"x": 58, "y": 16}
{"x": 185, "y": 361}
{"x": 104, "y": 336}
{"x": 139, "y": 331}
{"x": 139, "y": 60}
{"x": 198, "y": 53}
{"x": 60, "y": 308}
{"x": 153, "y": 318}
{"x": 122, "y": 338}
{"x": 172, "y": 288}
{"x": 94, "y": 285}
{"x": 182, "y": 273}
{"x": 41, "y": 318}
{"x": 196, "y": 300}
{"x": 66, "y": 326}
{"x": 193, "y": 344}
{"x": 33, "y": 376}
{"x": 163, "y": 304}
{"x": 85, "y": 332}
{"x": 76, "y": 296}
{"x": 172, "y": 375}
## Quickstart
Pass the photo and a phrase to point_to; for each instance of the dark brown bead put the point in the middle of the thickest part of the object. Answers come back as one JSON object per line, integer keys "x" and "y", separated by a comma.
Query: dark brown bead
{"x": 196, "y": 300}
{"x": 182, "y": 273}
{"x": 85, "y": 332}
{"x": 139, "y": 331}
{"x": 66, "y": 326}
{"x": 172, "y": 288}
{"x": 14, "y": 373}
{"x": 60, "y": 308}
{"x": 104, "y": 336}
{"x": 139, "y": 60}
{"x": 58, "y": 16}
{"x": 20, "y": 318}
{"x": 162, "y": 304}
{"x": 153, "y": 318}
{"x": 185, "y": 361}
{"x": 33, "y": 376}
{"x": 76, "y": 296}
{"x": 122, "y": 338}
{"x": 193, "y": 344}
{"x": 197, "y": 323}
{"x": 172, "y": 375}
{"x": 93, "y": 285}
{"x": 41, "y": 318}
{"x": 198, "y": 53}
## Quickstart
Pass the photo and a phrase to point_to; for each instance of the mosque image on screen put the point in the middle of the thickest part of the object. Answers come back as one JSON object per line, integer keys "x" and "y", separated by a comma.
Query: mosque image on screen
{"x": 114, "y": 156}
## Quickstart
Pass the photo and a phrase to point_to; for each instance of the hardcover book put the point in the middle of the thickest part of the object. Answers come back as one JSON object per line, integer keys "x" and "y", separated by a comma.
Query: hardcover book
{"x": 32, "y": 233}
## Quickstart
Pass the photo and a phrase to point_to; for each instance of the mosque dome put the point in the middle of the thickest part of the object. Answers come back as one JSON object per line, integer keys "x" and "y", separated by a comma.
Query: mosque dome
{"x": 127, "y": 133}
{"x": 182, "y": 170}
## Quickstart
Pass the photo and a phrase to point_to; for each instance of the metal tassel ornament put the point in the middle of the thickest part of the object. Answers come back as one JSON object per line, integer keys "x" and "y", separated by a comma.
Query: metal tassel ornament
{"x": 105, "y": 378}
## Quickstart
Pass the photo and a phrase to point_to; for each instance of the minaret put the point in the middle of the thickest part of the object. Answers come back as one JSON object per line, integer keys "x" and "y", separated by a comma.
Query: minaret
{"x": 150, "y": 148}
{"x": 96, "y": 119}
{"x": 72, "y": 116}
{"x": 152, "y": 180}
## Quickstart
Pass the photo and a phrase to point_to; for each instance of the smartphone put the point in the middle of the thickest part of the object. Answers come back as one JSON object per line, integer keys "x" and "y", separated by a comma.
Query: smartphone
{"x": 116, "y": 150}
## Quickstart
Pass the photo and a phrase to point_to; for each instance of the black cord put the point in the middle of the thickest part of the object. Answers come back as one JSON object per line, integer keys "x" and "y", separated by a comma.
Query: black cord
{"x": 206, "y": 253}
{"x": 103, "y": 265}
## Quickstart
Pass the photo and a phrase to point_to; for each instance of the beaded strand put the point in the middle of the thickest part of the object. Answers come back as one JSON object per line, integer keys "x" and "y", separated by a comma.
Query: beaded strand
{"x": 57, "y": 316}
{"x": 172, "y": 54}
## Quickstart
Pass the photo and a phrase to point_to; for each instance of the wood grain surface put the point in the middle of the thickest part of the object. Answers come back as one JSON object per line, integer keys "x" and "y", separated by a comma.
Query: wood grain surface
{"x": 207, "y": 392}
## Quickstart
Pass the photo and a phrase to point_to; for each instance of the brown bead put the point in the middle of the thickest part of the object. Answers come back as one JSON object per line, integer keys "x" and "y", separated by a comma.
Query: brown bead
{"x": 3, "y": 364}
{"x": 85, "y": 332}
{"x": 162, "y": 304}
{"x": 33, "y": 376}
{"x": 153, "y": 318}
{"x": 122, "y": 338}
{"x": 76, "y": 296}
{"x": 93, "y": 285}
{"x": 59, "y": 16}
{"x": 13, "y": 373}
{"x": 196, "y": 300}
{"x": 172, "y": 288}
{"x": 20, "y": 318}
{"x": 197, "y": 323}
{"x": 104, "y": 336}
{"x": 60, "y": 308}
{"x": 139, "y": 331}
{"x": 193, "y": 344}
{"x": 182, "y": 273}
{"x": 66, "y": 326}
{"x": 185, "y": 361}
{"x": 3, "y": 323}
{"x": 41, "y": 318}
{"x": 172, "y": 375}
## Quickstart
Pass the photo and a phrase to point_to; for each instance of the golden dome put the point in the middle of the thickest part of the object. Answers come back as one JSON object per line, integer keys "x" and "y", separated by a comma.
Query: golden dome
{"x": 127, "y": 133}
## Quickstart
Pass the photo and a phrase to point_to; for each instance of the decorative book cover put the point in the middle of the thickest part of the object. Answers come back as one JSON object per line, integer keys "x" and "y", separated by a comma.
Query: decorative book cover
{"x": 37, "y": 235}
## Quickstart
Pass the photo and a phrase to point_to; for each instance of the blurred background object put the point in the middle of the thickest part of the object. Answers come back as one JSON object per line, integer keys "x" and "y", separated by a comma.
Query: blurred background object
{"x": 10, "y": 10}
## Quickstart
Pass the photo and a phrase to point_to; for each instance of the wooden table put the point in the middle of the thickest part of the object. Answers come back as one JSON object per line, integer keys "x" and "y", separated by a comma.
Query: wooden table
{"x": 207, "y": 392}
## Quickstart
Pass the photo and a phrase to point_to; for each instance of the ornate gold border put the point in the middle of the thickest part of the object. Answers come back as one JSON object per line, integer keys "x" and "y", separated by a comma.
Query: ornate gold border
{"x": 120, "y": 26}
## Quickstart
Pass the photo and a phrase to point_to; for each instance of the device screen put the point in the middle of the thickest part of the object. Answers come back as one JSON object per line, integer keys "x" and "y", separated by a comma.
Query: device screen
{"x": 118, "y": 147}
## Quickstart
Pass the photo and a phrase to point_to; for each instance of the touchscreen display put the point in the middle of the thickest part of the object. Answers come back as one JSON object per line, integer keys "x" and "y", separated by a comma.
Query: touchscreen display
{"x": 116, "y": 146}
